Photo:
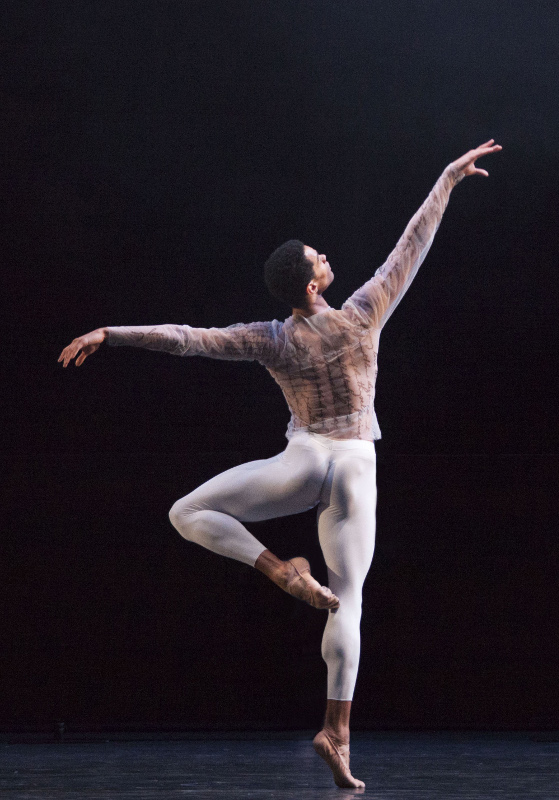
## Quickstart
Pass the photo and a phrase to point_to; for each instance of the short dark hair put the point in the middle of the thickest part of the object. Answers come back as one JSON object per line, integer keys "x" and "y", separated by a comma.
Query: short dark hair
{"x": 288, "y": 271}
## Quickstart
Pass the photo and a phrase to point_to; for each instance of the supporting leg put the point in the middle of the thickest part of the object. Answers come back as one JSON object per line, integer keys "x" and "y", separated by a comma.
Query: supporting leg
{"x": 332, "y": 743}
{"x": 347, "y": 538}
{"x": 336, "y": 721}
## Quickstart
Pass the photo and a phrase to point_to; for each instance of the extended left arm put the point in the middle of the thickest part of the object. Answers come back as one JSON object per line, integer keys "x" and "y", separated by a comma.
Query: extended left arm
{"x": 254, "y": 341}
{"x": 240, "y": 342}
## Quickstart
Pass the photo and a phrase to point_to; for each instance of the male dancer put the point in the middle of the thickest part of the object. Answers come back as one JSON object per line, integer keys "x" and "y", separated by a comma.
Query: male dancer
{"x": 325, "y": 361}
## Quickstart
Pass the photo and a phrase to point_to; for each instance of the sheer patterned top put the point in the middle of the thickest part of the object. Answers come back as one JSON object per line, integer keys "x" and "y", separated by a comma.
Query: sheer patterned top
{"x": 325, "y": 364}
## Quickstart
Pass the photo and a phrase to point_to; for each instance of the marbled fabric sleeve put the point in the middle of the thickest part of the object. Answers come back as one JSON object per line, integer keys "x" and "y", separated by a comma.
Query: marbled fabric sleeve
{"x": 252, "y": 342}
{"x": 375, "y": 301}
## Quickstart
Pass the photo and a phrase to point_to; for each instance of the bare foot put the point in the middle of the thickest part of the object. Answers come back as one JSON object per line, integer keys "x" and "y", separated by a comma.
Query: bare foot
{"x": 336, "y": 756}
{"x": 301, "y": 584}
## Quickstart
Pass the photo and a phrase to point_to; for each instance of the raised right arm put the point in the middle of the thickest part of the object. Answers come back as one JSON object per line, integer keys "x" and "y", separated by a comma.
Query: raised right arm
{"x": 375, "y": 301}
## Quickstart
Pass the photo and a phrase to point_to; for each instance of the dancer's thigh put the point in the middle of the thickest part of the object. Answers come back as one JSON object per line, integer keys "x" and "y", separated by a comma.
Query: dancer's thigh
{"x": 285, "y": 484}
{"x": 346, "y": 519}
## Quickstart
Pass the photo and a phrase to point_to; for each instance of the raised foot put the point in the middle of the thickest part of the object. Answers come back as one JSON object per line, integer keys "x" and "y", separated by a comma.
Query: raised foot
{"x": 301, "y": 584}
{"x": 337, "y": 758}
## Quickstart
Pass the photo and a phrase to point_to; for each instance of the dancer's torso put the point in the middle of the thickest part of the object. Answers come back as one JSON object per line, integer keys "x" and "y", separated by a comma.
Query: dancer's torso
{"x": 326, "y": 367}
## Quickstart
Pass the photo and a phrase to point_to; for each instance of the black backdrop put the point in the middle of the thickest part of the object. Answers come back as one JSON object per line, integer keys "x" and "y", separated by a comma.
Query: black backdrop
{"x": 154, "y": 153}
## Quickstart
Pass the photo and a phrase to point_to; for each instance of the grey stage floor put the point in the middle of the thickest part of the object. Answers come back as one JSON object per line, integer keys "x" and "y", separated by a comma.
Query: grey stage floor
{"x": 396, "y": 766}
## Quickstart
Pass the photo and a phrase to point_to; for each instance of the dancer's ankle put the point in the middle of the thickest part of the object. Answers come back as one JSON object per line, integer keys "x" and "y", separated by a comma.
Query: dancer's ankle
{"x": 339, "y": 735}
{"x": 274, "y": 568}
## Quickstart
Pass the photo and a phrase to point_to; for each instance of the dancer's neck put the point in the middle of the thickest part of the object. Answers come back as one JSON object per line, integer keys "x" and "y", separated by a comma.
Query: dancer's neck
{"x": 315, "y": 304}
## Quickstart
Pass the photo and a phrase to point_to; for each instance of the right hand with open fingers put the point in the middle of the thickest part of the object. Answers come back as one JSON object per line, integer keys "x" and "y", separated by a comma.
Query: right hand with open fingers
{"x": 466, "y": 165}
{"x": 82, "y": 347}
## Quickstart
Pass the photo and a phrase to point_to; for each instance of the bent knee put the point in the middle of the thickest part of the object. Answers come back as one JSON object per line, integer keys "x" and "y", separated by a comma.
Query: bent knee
{"x": 175, "y": 514}
{"x": 181, "y": 515}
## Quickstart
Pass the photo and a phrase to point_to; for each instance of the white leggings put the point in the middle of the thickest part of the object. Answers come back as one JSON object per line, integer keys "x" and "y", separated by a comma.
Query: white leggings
{"x": 337, "y": 476}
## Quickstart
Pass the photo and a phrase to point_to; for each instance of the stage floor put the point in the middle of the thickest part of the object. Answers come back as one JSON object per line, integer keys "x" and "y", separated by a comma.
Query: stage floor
{"x": 401, "y": 766}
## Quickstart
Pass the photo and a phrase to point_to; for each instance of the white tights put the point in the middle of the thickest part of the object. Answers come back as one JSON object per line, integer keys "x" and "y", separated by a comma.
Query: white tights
{"x": 337, "y": 476}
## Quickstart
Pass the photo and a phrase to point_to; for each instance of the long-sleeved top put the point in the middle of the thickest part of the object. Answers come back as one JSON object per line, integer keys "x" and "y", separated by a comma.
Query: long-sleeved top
{"x": 325, "y": 364}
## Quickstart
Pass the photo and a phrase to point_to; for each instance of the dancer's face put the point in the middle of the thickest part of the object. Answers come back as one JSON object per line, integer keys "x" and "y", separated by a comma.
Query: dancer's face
{"x": 322, "y": 271}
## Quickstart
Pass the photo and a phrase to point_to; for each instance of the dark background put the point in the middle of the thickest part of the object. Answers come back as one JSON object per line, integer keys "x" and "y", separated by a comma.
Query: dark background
{"x": 154, "y": 153}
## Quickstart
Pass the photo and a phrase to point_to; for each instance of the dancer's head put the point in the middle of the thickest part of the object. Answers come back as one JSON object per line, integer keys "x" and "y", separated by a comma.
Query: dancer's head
{"x": 295, "y": 271}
